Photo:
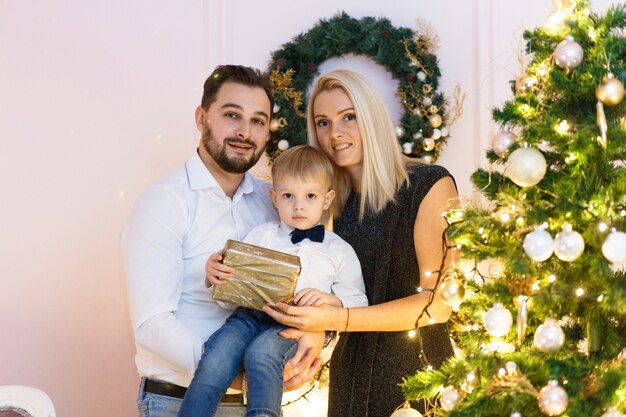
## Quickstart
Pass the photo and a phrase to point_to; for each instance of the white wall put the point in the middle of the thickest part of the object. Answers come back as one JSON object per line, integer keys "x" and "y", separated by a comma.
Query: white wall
{"x": 97, "y": 101}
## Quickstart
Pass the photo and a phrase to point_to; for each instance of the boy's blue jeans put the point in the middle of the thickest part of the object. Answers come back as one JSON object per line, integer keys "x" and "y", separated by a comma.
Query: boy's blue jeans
{"x": 249, "y": 338}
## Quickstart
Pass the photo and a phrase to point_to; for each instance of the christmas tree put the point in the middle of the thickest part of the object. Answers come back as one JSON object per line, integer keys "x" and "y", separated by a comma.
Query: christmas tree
{"x": 540, "y": 315}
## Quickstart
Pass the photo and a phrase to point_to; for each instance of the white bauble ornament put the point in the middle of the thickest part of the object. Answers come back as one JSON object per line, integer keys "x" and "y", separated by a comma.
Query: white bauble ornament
{"x": 427, "y": 101}
{"x": 498, "y": 320}
{"x": 614, "y": 247}
{"x": 276, "y": 108}
{"x": 553, "y": 399}
{"x": 428, "y": 144}
{"x": 407, "y": 147}
{"x": 502, "y": 141}
{"x": 436, "y": 134}
{"x": 568, "y": 54}
{"x": 421, "y": 75}
{"x": 568, "y": 244}
{"x": 538, "y": 245}
{"x": 516, "y": 414}
{"x": 549, "y": 336}
{"x": 612, "y": 412}
{"x": 450, "y": 397}
{"x": 399, "y": 131}
{"x": 526, "y": 166}
{"x": 406, "y": 411}
{"x": 283, "y": 144}
{"x": 444, "y": 132}
{"x": 611, "y": 91}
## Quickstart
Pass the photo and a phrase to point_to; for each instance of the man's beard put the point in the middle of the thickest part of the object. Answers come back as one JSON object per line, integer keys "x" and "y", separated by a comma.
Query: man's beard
{"x": 237, "y": 164}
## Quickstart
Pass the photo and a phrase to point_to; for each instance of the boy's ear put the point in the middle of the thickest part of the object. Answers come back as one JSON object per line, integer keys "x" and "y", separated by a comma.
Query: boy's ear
{"x": 273, "y": 195}
{"x": 330, "y": 195}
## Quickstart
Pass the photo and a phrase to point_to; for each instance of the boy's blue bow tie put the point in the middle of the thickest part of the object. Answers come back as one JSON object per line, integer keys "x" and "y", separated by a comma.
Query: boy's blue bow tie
{"x": 315, "y": 234}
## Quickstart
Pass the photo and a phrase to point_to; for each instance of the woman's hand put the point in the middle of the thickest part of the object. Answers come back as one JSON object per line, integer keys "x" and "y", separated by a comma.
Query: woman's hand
{"x": 310, "y": 319}
{"x": 216, "y": 272}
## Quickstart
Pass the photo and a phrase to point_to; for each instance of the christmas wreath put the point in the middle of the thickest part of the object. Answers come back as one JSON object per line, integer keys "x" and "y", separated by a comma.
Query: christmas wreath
{"x": 408, "y": 55}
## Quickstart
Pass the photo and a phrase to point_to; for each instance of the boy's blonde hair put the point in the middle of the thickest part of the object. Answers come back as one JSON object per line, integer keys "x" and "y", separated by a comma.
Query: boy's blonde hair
{"x": 303, "y": 162}
{"x": 384, "y": 166}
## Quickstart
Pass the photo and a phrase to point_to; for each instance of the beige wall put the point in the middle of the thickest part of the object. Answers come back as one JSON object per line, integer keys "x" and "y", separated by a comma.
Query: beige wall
{"x": 97, "y": 101}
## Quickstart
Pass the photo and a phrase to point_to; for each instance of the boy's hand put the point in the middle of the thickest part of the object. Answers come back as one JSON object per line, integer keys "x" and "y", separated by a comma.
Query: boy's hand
{"x": 216, "y": 272}
{"x": 313, "y": 297}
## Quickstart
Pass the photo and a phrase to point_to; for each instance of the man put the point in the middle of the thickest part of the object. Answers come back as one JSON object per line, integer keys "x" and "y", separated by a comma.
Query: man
{"x": 178, "y": 222}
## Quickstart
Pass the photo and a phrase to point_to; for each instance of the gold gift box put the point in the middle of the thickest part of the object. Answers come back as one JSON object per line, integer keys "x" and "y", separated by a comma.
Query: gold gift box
{"x": 262, "y": 276}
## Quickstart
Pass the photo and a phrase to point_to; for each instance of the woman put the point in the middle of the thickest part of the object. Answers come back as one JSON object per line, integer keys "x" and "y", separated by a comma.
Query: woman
{"x": 389, "y": 210}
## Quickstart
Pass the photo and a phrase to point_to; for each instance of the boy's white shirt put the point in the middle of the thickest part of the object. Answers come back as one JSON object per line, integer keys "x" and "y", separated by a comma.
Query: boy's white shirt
{"x": 330, "y": 266}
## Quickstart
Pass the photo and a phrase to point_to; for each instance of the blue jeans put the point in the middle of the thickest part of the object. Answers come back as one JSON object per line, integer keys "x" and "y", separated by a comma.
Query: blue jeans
{"x": 154, "y": 405}
{"x": 249, "y": 338}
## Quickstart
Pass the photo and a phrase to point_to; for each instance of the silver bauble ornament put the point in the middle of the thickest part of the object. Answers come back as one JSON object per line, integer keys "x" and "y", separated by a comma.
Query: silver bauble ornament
{"x": 406, "y": 411}
{"x": 450, "y": 397}
{"x": 435, "y": 120}
{"x": 524, "y": 83}
{"x": 283, "y": 145}
{"x": 612, "y": 412}
{"x": 568, "y": 54}
{"x": 407, "y": 148}
{"x": 452, "y": 289}
{"x": 428, "y": 144}
{"x": 502, "y": 141}
{"x": 553, "y": 399}
{"x": 568, "y": 244}
{"x": 498, "y": 320}
{"x": 611, "y": 91}
{"x": 614, "y": 247}
{"x": 549, "y": 336}
{"x": 399, "y": 131}
{"x": 526, "y": 166}
{"x": 522, "y": 318}
{"x": 538, "y": 245}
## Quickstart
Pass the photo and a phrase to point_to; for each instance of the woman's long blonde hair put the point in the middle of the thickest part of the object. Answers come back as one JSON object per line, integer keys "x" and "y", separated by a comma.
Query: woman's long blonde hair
{"x": 384, "y": 167}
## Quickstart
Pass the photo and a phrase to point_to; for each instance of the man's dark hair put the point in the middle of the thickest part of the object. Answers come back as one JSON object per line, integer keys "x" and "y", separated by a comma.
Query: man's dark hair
{"x": 239, "y": 74}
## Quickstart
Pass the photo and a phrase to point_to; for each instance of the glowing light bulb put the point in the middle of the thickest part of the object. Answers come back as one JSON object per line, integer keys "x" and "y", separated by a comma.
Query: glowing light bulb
{"x": 505, "y": 217}
{"x": 579, "y": 292}
{"x": 412, "y": 333}
{"x": 535, "y": 286}
{"x": 600, "y": 298}
{"x": 428, "y": 273}
{"x": 429, "y": 368}
{"x": 501, "y": 371}
{"x": 552, "y": 278}
{"x": 419, "y": 289}
{"x": 603, "y": 227}
{"x": 481, "y": 230}
{"x": 431, "y": 320}
{"x": 563, "y": 127}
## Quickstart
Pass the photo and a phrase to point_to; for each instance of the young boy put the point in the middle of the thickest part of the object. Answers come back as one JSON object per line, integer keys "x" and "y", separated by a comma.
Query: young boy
{"x": 330, "y": 274}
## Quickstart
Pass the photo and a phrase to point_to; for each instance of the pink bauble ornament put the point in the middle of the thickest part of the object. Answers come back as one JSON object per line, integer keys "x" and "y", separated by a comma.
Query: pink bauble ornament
{"x": 553, "y": 399}
{"x": 502, "y": 141}
{"x": 568, "y": 54}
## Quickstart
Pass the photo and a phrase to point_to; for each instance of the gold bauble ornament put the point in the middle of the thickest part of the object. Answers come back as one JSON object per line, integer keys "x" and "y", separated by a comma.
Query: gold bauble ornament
{"x": 428, "y": 144}
{"x": 435, "y": 120}
{"x": 524, "y": 83}
{"x": 611, "y": 91}
{"x": 452, "y": 289}
{"x": 277, "y": 124}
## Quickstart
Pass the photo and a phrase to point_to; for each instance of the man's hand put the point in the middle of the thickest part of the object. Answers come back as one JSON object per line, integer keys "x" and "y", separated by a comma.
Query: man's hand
{"x": 306, "y": 362}
{"x": 216, "y": 272}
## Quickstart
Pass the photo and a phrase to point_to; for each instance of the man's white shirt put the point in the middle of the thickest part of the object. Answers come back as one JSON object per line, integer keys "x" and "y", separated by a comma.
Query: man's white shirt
{"x": 174, "y": 227}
